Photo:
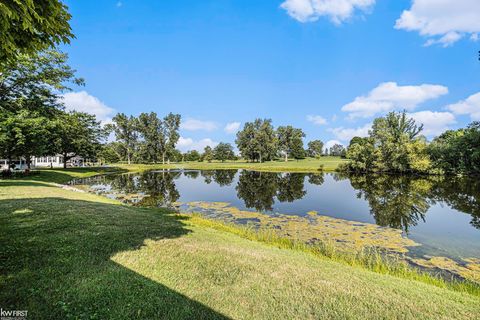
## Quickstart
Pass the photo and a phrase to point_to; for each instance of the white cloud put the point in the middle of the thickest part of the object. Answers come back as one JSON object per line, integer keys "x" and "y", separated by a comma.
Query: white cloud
{"x": 337, "y": 10}
{"x": 194, "y": 124}
{"x": 469, "y": 106}
{"x": 331, "y": 143}
{"x": 317, "y": 120}
{"x": 442, "y": 21}
{"x": 434, "y": 123}
{"x": 232, "y": 127}
{"x": 390, "y": 96}
{"x": 346, "y": 134}
{"x": 83, "y": 102}
{"x": 187, "y": 144}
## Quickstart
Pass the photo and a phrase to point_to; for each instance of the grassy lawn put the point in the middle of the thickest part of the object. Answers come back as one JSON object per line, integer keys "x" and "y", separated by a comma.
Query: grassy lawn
{"x": 62, "y": 176}
{"x": 306, "y": 165}
{"x": 72, "y": 255}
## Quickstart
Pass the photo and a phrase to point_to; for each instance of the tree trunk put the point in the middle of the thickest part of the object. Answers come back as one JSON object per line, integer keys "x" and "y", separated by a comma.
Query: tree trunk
{"x": 286, "y": 157}
{"x": 28, "y": 161}
{"x": 163, "y": 158}
{"x": 128, "y": 157}
{"x": 65, "y": 160}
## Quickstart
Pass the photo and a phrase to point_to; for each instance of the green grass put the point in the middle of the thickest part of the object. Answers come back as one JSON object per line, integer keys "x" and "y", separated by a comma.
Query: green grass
{"x": 63, "y": 176}
{"x": 72, "y": 255}
{"x": 327, "y": 164}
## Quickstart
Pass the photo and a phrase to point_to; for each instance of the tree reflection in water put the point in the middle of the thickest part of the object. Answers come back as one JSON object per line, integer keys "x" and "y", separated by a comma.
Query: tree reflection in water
{"x": 258, "y": 190}
{"x": 159, "y": 187}
{"x": 460, "y": 193}
{"x": 402, "y": 201}
{"x": 395, "y": 201}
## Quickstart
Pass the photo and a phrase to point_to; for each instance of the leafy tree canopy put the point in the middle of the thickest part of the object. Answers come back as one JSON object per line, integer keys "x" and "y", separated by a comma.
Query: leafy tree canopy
{"x": 29, "y": 26}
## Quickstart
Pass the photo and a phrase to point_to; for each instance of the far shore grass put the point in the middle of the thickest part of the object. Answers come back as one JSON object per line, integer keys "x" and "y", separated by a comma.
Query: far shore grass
{"x": 326, "y": 164}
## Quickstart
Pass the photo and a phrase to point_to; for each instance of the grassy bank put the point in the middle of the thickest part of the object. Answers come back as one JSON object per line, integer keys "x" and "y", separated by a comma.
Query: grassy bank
{"x": 327, "y": 164}
{"x": 67, "y": 254}
{"x": 63, "y": 176}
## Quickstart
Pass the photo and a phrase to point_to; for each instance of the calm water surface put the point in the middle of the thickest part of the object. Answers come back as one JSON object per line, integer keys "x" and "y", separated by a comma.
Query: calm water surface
{"x": 441, "y": 214}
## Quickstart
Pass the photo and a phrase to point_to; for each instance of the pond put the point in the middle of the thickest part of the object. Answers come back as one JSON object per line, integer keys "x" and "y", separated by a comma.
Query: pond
{"x": 434, "y": 222}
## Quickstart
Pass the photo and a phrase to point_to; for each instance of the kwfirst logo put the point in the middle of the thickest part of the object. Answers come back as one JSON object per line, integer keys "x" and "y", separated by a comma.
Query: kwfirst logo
{"x": 13, "y": 314}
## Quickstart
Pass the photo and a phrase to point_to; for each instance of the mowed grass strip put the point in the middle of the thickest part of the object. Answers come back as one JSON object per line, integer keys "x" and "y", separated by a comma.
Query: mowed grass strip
{"x": 326, "y": 164}
{"x": 66, "y": 254}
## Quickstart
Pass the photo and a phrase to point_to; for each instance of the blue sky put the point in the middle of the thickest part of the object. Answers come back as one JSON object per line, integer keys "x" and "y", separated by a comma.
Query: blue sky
{"x": 327, "y": 66}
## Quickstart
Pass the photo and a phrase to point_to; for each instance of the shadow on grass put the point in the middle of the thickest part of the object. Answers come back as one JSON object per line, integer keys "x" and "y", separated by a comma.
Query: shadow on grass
{"x": 55, "y": 261}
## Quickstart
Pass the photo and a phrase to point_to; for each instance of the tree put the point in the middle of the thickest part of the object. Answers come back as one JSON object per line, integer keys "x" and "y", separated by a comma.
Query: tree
{"x": 457, "y": 151}
{"x": 151, "y": 129}
{"x": 23, "y": 134}
{"x": 356, "y": 139}
{"x": 392, "y": 135}
{"x": 393, "y": 145}
{"x": 109, "y": 152}
{"x": 257, "y": 141}
{"x": 223, "y": 151}
{"x": 30, "y": 26}
{"x": 192, "y": 155}
{"x": 35, "y": 82}
{"x": 361, "y": 153}
{"x": 290, "y": 140}
{"x": 207, "y": 154}
{"x": 77, "y": 134}
{"x": 337, "y": 150}
{"x": 30, "y": 102}
{"x": 315, "y": 148}
{"x": 126, "y": 134}
{"x": 170, "y": 135}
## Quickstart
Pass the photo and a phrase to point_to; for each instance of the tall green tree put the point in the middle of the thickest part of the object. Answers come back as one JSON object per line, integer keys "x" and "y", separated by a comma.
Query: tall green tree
{"x": 457, "y": 151}
{"x": 110, "y": 153}
{"x": 170, "y": 135}
{"x": 151, "y": 129}
{"x": 29, "y": 26}
{"x": 36, "y": 82}
{"x": 290, "y": 140}
{"x": 126, "y": 134}
{"x": 337, "y": 150}
{"x": 77, "y": 134}
{"x": 207, "y": 154}
{"x": 23, "y": 134}
{"x": 361, "y": 153}
{"x": 257, "y": 141}
{"x": 394, "y": 145}
{"x": 315, "y": 148}
{"x": 223, "y": 151}
{"x": 192, "y": 155}
{"x": 30, "y": 102}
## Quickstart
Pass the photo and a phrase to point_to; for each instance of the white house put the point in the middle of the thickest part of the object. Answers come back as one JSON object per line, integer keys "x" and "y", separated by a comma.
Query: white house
{"x": 43, "y": 162}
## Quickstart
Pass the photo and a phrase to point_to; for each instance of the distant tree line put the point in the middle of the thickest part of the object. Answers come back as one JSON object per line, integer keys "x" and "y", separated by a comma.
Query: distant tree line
{"x": 395, "y": 144}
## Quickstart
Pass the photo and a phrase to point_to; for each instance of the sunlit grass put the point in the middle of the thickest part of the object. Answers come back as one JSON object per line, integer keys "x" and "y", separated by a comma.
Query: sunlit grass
{"x": 73, "y": 255}
{"x": 370, "y": 259}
